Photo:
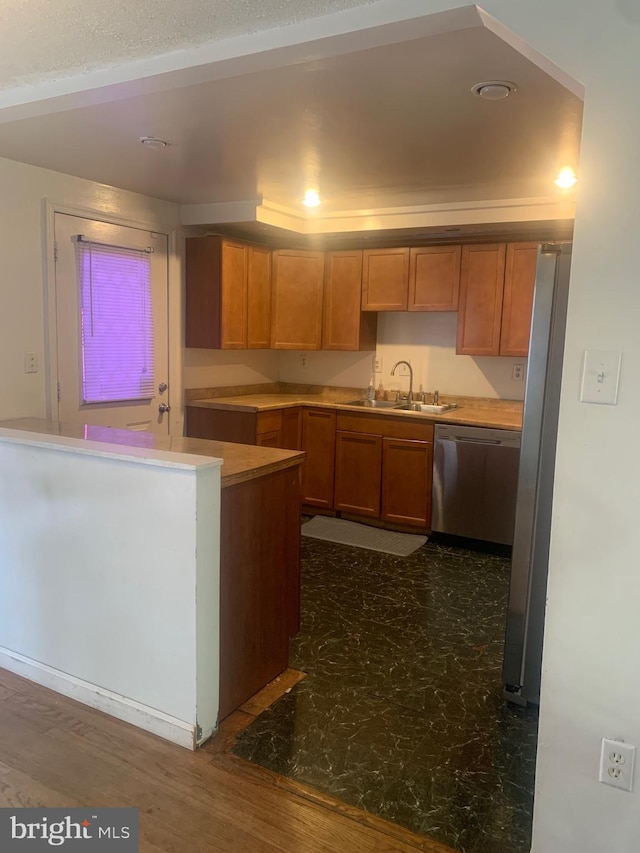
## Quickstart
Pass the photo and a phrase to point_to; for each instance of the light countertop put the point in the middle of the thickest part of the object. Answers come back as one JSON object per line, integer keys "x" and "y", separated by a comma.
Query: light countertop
{"x": 499, "y": 414}
{"x": 240, "y": 462}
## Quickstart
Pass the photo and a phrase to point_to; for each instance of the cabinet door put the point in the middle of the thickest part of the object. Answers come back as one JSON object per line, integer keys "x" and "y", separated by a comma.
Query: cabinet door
{"x": 319, "y": 443}
{"x": 358, "y": 470}
{"x": 385, "y": 279}
{"x": 406, "y": 481}
{"x": 517, "y": 303}
{"x": 297, "y": 300}
{"x": 291, "y": 430}
{"x": 481, "y": 288}
{"x": 434, "y": 278}
{"x": 216, "y": 293}
{"x": 345, "y": 326}
{"x": 202, "y": 296}
{"x": 258, "y": 297}
{"x": 233, "y": 281}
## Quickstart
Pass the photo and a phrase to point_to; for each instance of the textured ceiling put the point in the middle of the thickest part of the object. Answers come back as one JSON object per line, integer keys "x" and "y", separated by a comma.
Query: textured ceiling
{"x": 390, "y": 126}
{"x": 45, "y": 39}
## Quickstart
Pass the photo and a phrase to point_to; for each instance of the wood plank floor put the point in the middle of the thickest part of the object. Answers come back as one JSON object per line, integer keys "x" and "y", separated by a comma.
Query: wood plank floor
{"x": 56, "y": 752}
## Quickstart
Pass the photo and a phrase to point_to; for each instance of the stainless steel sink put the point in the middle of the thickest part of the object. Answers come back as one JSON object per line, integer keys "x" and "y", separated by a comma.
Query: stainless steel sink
{"x": 420, "y": 408}
{"x": 428, "y": 408}
{"x": 373, "y": 404}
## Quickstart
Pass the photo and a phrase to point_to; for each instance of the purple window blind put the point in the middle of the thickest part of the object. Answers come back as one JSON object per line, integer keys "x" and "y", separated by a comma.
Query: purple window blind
{"x": 116, "y": 323}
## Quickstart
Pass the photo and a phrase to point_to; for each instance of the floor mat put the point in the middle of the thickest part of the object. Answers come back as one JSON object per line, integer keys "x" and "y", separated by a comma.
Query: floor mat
{"x": 362, "y": 536}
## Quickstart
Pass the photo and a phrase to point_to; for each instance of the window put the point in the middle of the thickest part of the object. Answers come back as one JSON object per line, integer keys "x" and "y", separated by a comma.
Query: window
{"x": 116, "y": 323}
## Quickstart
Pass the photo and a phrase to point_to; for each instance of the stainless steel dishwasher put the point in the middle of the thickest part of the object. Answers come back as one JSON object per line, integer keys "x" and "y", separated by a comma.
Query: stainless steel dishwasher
{"x": 475, "y": 482}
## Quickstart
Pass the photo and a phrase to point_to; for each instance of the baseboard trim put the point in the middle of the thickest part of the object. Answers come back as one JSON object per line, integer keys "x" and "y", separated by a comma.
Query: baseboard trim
{"x": 143, "y": 716}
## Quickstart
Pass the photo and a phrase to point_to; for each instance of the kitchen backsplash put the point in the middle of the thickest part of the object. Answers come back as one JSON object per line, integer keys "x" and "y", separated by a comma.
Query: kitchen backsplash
{"x": 204, "y": 368}
{"x": 427, "y": 340}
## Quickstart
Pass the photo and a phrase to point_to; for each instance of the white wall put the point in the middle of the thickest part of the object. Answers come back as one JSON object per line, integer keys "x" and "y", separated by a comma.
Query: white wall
{"x": 592, "y": 649}
{"x": 208, "y": 368}
{"x": 428, "y": 341}
{"x": 22, "y": 320}
{"x": 344, "y": 369}
{"x": 109, "y": 571}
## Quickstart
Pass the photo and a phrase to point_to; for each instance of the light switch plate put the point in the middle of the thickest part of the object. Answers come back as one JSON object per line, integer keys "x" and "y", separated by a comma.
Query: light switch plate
{"x": 600, "y": 376}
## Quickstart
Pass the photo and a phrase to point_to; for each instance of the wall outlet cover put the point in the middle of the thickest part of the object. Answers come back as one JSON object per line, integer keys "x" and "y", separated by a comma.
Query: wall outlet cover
{"x": 617, "y": 761}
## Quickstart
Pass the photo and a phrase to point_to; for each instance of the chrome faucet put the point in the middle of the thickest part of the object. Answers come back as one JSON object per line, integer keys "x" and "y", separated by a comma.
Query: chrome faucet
{"x": 393, "y": 370}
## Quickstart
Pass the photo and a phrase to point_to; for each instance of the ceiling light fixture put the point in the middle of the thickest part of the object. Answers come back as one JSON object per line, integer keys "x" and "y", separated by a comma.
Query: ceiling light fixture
{"x": 494, "y": 90}
{"x": 153, "y": 142}
{"x": 566, "y": 178}
{"x": 311, "y": 198}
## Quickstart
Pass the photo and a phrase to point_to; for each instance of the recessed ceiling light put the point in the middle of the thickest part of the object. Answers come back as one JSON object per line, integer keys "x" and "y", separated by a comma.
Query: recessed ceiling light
{"x": 311, "y": 198}
{"x": 566, "y": 178}
{"x": 153, "y": 142}
{"x": 494, "y": 90}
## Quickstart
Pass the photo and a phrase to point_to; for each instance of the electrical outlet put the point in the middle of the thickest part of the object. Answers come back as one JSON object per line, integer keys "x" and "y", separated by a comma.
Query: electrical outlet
{"x": 303, "y": 361}
{"x": 517, "y": 373}
{"x": 377, "y": 364}
{"x": 617, "y": 760}
{"x": 30, "y": 362}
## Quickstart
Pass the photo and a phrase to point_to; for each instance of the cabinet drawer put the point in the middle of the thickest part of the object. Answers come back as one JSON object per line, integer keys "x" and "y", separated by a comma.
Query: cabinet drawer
{"x": 394, "y": 427}
{"x": 268, "y": 439}
{"x": 269, "y": 421}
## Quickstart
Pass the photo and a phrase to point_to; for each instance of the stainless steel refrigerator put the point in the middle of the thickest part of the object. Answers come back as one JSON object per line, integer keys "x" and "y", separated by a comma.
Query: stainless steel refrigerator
{"x": 530, "y": 556}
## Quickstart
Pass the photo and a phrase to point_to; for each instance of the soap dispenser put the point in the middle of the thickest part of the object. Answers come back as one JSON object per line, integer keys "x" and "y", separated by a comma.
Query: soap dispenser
{"x": 371, "y": 390}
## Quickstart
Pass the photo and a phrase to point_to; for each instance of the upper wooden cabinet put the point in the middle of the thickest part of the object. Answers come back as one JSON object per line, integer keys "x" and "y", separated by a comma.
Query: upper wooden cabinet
{"x": 496, "y": 299}
{"x": 434, "y": 278}
{"x": 517, "y": 301}
{"x": 481, "y": 288}
{"x": 345, "y": 326}
{"x": 385, "y": 279}
{"x": 258, "y": 297}
{"x": 297, "y": 294}
{"x": 227, "y": 294}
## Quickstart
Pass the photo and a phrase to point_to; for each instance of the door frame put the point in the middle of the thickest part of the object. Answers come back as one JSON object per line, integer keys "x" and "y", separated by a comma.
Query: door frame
{"x": 174, "y": 303}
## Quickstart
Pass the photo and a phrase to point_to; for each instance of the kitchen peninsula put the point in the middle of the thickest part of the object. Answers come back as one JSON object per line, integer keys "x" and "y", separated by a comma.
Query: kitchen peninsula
{"x": 259, "y": 547}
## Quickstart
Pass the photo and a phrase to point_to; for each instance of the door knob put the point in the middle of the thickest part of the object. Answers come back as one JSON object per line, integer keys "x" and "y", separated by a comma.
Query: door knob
{"x": 163, "y": 407}
{"x": 162, "y": 387}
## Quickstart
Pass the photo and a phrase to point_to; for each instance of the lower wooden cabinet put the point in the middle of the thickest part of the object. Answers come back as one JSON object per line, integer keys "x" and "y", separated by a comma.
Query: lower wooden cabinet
{"x": 259, "y": 582}
{"x": 268, "y": 439}
{"x": 384, "y": 468}
{"x": 291, "y": 431}
{"x": 319, "y": 443}
{"x": 357, "y": 464}
{"x": 275, "y": 428}
{"x": 406, "y": 481}
{"x": 358, "y": 470}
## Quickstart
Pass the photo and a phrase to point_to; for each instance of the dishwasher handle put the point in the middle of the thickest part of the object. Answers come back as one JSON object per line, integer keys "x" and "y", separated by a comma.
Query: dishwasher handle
{"x": 479, "y": 436}
{"x": 460, "y": 440}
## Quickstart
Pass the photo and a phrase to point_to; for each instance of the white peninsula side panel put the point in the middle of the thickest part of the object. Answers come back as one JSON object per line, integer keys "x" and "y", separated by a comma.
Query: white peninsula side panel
{"x": 109, "y": 571}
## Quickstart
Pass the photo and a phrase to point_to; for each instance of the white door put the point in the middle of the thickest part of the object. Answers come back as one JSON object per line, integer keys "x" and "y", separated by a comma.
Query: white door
{"x": 111, "y": 304}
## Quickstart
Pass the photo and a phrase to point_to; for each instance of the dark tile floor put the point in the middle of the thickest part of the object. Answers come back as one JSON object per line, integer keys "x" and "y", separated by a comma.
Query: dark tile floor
{"x": 401, "y": 712}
